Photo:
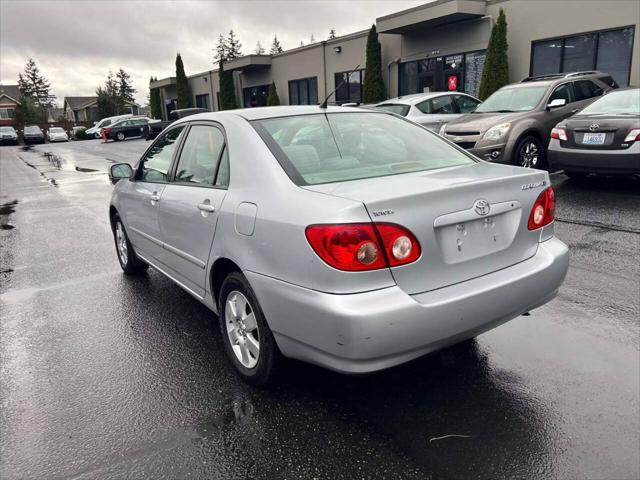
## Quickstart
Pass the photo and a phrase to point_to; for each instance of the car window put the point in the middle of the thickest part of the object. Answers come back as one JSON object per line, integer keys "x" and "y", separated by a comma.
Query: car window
{"x": 200, "y": 155}
{"x": 155, "y": 164}
{"x": 105, "y": 123}
{"x": 585, "y": 89}
{"x": 442, "y": 105}
{"x": 222, "y": 178}
{"x": 394, "y": 108}
{"x": 625, "y": 102}
{"x": 609, "y": 81}
{"x": 350, "y": 146}
{"x": 466, "y": 104}
{"x": 563, "y": 91}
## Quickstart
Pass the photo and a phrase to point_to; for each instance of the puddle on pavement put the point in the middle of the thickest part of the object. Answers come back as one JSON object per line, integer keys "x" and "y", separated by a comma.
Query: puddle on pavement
{"x": 6, "y": 226}
{"x": 8, "y": 208}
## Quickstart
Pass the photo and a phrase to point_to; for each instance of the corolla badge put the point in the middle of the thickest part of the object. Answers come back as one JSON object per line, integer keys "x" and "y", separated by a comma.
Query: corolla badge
{"x": 482, "y": 207}
{"x": 593, "y": 127}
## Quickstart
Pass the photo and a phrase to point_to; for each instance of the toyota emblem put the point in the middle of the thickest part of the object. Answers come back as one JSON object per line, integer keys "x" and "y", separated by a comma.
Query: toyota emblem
{"x": 482, "y": 207}
{"x": 593, "y": 127}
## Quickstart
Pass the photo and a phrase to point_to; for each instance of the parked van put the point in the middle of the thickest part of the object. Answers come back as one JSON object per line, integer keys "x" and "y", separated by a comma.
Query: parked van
{"x": 105, "y": 122}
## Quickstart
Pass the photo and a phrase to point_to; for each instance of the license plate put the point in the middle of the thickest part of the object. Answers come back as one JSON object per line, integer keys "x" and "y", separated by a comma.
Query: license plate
{"x": 593, "y": 138}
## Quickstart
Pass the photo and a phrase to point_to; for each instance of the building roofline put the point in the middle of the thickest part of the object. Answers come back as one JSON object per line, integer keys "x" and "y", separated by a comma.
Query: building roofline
{"x": 432, "y": 4}
{"x": 3, "y": 94}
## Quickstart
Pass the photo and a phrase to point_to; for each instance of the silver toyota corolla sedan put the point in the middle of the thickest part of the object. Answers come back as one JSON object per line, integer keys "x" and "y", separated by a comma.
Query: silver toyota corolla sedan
{"x": 348, "y": 238}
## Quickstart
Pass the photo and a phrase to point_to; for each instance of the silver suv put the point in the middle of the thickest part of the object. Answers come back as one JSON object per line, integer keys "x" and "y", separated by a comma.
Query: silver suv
{"x": 514, "y": 124}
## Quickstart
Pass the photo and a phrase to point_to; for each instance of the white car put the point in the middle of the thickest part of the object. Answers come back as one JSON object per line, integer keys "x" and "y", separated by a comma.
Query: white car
{"x": 57, "y": 134}
{"x": 105, "y": 122}
{"x": 431, "y": 110}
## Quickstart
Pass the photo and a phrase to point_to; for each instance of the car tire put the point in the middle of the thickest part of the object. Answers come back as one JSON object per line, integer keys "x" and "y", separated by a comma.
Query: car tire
{"x": 529, "y": 153}
{"x": 574, "y": 174}
{"x": 242, "y": 325}
{"x": 129, "y": 262}
{"x": 120, "y": 136}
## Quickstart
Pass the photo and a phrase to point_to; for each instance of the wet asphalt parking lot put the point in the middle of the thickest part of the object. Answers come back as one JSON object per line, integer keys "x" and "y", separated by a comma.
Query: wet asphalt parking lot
{"x": 105, "y": 376}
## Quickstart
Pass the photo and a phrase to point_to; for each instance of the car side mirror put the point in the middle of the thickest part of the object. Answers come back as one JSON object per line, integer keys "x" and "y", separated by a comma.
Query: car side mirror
{"x": 558, "y": 102}
{"x": 119, "y": 171}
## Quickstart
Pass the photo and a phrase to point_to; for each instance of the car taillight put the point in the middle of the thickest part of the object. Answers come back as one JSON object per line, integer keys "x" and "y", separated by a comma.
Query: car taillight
{"x": 544, "y": 210}
{"x": 363, "y": 246}
{"x": 633, "y": 135}
{"x": 559, "y": 134}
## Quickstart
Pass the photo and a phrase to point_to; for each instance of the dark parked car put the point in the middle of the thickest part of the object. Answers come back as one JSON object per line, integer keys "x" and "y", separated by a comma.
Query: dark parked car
{"x": 603, "y": 138}
{"x": 514, "y": 124}
{"x": 152, "y": 130}
{"x": 33, "y": 134}
{"x": 8, "y": 135}
{"x": 127, "y": 128}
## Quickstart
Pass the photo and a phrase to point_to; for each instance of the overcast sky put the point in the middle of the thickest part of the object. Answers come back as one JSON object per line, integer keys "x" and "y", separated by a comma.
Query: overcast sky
{"x": 76, "y": 43}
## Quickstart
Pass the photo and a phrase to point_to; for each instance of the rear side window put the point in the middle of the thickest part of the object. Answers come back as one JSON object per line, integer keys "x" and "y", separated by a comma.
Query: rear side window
{"x": 200, "y": 156}
{"x": 609, "y": 81}
{"x": 325, "y": 148}
{"x": 155, "y": 164}
{"x": 585, "y": 89}
{"x": 563, "y": 91}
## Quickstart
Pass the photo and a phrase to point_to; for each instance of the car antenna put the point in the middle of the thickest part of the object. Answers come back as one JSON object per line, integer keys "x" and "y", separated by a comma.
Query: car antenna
{"x": 324, "y": 102}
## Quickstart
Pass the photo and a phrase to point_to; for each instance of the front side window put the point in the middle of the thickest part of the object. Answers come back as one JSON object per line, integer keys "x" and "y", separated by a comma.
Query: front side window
{"x": 155, "y": 164}
{"x": 324, "y": 148}
{"x": 200, "y": 156}
{"x": 349, "y": 86}
{"x": 517, "y": 99}
{"x": 466, "y": 104}
{"x": 562, "y": 92}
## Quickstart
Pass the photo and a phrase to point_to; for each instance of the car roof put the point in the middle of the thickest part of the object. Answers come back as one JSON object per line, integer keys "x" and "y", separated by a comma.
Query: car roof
{"x": 416, "y": 98}
{"x": 260, "y": 113}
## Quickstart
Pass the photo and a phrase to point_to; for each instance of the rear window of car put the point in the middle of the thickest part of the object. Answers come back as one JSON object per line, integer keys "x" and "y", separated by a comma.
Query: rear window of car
{"x": 338, "y": 147}
{"x": 626, "y": 102}
{"x": 32, "y": 129}
{"x": 394, "y": 108}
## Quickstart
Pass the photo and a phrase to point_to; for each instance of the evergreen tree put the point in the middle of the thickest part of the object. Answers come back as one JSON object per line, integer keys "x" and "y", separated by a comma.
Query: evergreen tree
{"x": 32, "y": 84}
{"x": 109, "y": 100}
{"x": 373, "y": 89}
{"x": 221, "y": 49}
{"x": 332, "y": 33}
{"x": 234, "y": 47}
{"x": 259, "y": 49}
{"x": 27, "y": 112}
{"x": 272, "y": 98}
{"x": 227, "y": 90}
{"x": 125, "y": 89}
{"x": 495, "y": 73}
{"x": 183, "y": 90}
{"x": 155, "y": 101}
{"x": 275, "y": 46}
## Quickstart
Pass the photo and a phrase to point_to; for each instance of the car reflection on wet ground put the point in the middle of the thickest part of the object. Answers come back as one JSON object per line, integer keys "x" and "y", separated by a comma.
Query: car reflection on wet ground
{"x": 105, "y": 376}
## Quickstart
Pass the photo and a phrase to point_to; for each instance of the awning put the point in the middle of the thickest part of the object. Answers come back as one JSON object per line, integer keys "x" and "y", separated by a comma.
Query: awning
{"x": 432, "y": 14}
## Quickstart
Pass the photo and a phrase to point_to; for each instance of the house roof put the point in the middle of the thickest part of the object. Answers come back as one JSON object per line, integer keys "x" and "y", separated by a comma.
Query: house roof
{"x": 78, "y": 103}
{"x": 10, "y": 91}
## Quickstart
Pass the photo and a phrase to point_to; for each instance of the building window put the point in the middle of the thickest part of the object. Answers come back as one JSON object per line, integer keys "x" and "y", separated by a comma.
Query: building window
{"x": 459, "y": 72}
{"x": 349, "y": 86}
{"x": 7, "y": 113}
{"x": 202, "y": 101}
{"x": 304, "y": 91}
{"x": 256, "y": 96}
{"x": 608, "y": 51}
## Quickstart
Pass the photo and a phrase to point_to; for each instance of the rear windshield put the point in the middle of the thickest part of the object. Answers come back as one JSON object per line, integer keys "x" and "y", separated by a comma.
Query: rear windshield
{"x": 337, "y": 147}
{"x": 7, "y": 130}
{"x": 519, "y": 99}
{"x": 32, "y": 129}
{"x": 56, "y": 130}
{"x": 394, "y": 108}
{"x": 618, "y": 102}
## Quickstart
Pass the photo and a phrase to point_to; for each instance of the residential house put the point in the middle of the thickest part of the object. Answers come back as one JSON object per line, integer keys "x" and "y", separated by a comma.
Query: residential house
{"x": 9, "y": 100}
{"x": 85, "y": 109}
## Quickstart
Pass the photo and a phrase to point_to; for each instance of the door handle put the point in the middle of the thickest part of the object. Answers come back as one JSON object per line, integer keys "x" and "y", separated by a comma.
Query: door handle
{"x": 206, "y": 207}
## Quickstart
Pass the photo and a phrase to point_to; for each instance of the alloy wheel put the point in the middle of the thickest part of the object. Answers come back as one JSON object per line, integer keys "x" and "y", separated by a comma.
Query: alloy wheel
{"x": 242, "y": 329}
{"x": 121, "y": 243}
{"x": 529, "y": 154}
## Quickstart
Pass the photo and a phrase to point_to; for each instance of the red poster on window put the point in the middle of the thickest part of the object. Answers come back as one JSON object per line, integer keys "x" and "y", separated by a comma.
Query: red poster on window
{"x": 452, "y": 82}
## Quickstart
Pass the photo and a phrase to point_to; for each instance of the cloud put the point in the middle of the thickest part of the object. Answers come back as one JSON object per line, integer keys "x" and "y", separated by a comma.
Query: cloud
{"x": 75, "y": 44}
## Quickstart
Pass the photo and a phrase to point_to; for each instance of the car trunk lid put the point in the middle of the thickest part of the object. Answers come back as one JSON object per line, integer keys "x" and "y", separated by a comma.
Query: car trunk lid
{"x": 599, "y": 132}
{"x": 469, "y": 220}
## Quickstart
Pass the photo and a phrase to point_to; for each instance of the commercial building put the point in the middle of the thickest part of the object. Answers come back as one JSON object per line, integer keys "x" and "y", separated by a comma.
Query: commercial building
{"x": 437, "y": 46}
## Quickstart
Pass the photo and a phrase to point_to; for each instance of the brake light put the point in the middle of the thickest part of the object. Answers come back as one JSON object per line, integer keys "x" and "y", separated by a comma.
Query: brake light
{"x": 559, "y": 134}
{"x": 633, "y": 135}
{"x": 544, "y": 210}
{"x": 363, "y": 246}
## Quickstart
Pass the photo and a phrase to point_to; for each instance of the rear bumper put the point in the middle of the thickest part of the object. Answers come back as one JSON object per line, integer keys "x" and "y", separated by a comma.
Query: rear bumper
{"x": 610, "y": 162}
{"x": 366, "y": 332}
